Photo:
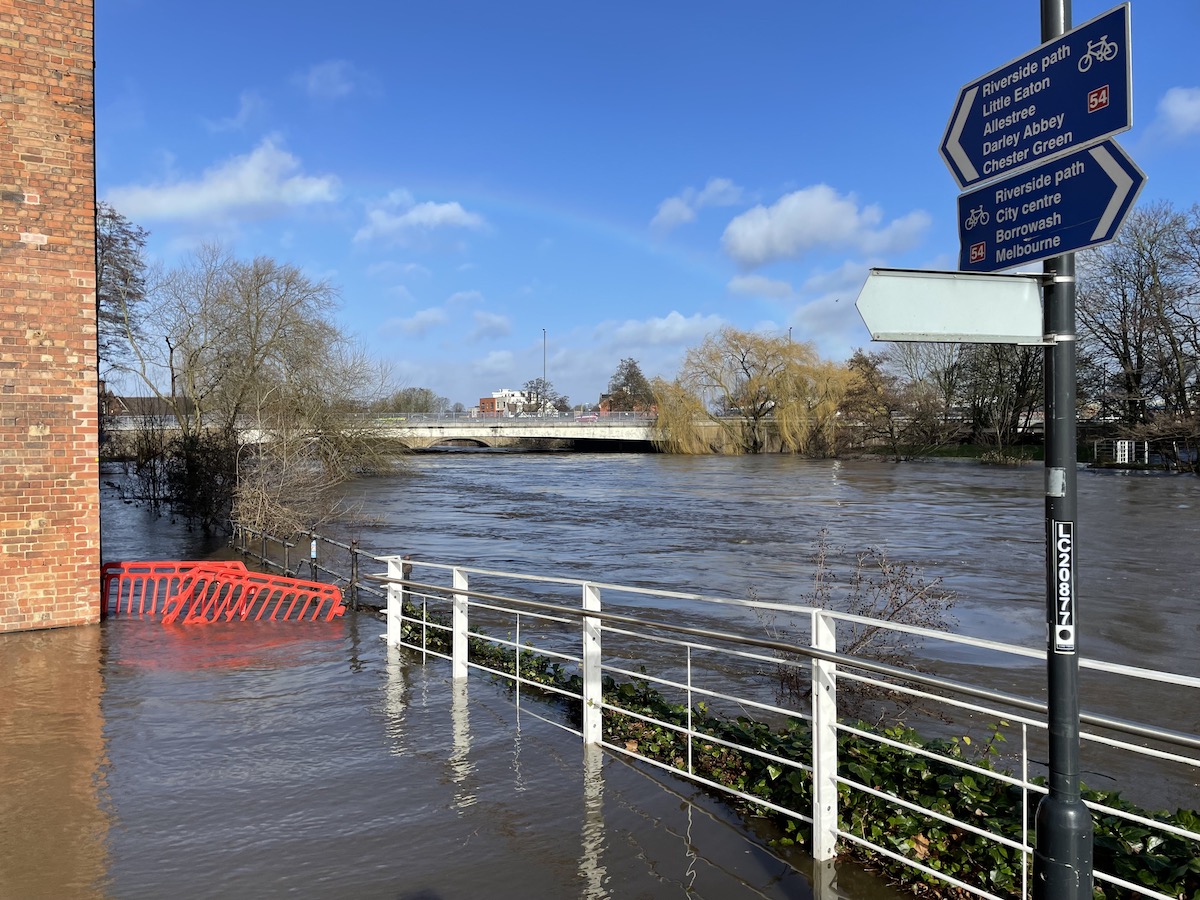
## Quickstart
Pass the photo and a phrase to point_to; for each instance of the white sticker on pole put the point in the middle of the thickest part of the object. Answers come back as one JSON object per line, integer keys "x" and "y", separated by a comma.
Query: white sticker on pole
{"x": 1062, "y": 546}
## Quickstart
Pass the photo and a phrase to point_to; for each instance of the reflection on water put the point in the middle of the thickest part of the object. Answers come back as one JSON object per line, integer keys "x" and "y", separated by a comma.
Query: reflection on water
{"x": 591, "y": 865}
{"x": 459, "y": 762}
{"x": 300, "y": 761}
{"x": 54, "y": 812}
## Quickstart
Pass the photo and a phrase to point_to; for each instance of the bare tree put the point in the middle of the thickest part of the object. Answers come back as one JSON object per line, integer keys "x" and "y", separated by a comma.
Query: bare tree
{"x": 314, "y": 435}
{"x": 415, "y": 400}
{"x": 1002, "y": 389}
{"x": 873, "y": 405}
{"x": 120, "y": 281}
{"x": 543, "y": 397}
{"x": 933, "y": 375}
{"x": 871, "y": 585}
{"x": 1138, "y": 314}
{"x": 235, "y": 348}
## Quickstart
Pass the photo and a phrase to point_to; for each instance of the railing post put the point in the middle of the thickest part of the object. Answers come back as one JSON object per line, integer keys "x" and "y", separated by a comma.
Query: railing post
{"x": 593, "y": 713}
{"x": 458, "y": 627}
{"x": 395, "y": 600}
{"x": 352, "y": 588}
{"x": 312, "y": 556}
{"x": 824, "y": 739}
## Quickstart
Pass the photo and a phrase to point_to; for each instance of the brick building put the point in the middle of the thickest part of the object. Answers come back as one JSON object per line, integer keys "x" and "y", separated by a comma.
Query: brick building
{"x": 49, "y": 484}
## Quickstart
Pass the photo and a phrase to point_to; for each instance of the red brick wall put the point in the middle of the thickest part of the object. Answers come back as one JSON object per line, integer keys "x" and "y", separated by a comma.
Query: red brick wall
{"x": 49, "y": 483}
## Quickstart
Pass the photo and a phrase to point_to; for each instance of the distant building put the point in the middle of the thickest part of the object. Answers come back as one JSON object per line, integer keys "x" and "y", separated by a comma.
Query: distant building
{"x": 506, "y": 403}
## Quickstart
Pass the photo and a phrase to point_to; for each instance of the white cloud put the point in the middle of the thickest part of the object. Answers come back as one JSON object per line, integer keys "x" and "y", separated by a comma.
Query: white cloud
{"x": 330, "y": 80}
{"x": 846, "y": 280}
{"x": 813, "y": 217}
{"x": 680, "y": 210}
{"x": 420, "y": 322}
{"x": 833, "y": 324}
{"x": 464, "y": 298}
{"x": 390, "y": 269}
{"x": 263, "y": 182}
{"x": 1179, "y": 111}
{"x": 400, "y": 197}
{"x": 498, "y": 362}
{"x": 718, "y": 192}
{"x": 898, "y": 235}
{"x": 414, "y": 219}
{"x": 758, "y": 286}
{"x": 674, "y": 328}
{"x": 489, "y": 325}
{"x": 672, "y": 212}
{"x": 827, "y": 316}
{"x": 249, "y": 105}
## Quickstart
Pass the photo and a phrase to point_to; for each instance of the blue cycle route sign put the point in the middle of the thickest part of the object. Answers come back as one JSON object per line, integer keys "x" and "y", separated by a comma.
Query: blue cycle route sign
{"x": 1069, "y": 92}
{"x": 1062, "y": 205}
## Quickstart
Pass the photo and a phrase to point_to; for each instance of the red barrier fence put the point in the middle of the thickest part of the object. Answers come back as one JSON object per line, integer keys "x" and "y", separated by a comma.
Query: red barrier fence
{"x": 206, "y": 591}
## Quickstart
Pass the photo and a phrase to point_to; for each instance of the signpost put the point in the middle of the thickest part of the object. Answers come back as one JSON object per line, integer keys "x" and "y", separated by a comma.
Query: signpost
{"x": 1069, "y": 92}
{"x": 1030, "y": 141}
{"x": 1059, "y": 206}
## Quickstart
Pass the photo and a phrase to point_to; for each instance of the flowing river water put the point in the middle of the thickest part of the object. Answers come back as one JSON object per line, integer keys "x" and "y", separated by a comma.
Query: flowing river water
{"x": 308, "y": 761}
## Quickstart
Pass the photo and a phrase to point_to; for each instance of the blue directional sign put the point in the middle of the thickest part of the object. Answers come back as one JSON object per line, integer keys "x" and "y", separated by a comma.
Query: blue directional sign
{"x": 1062, "y": 205}
{"x": 1069, "y": 92}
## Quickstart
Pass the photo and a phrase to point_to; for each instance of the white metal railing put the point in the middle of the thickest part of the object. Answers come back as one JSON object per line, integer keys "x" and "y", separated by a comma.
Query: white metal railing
{"x": 710, "y": 656}
{"x": 1121, "y": 452}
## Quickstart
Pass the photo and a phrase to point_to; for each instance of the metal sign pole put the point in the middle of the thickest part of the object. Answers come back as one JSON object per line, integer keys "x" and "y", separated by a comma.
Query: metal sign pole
{"x": 1062, "y": 861}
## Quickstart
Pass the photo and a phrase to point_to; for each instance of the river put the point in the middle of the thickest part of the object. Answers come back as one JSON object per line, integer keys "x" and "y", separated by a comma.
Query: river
{"x": 276, "y": 760}
{"x": 731, "y": 525}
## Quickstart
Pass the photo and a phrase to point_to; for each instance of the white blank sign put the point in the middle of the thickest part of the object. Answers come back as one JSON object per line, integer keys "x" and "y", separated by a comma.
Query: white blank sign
{"x": 967, "y": 307}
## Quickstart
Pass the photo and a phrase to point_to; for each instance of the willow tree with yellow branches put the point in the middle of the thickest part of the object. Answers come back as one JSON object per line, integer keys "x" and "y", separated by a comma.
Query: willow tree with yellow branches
{"x": 750, "y": 392}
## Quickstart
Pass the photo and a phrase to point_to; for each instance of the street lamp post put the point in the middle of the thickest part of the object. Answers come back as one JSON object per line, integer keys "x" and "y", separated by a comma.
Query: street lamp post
{"x": 542, "y": 392}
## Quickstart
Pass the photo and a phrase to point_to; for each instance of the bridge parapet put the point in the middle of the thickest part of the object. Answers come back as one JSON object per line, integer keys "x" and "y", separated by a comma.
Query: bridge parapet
{"x": 494, "y": 432}
{"x": 419, "y": 432}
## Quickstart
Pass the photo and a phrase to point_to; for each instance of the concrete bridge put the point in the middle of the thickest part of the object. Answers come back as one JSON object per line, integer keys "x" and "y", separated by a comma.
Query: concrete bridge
{"x": 424, "y": 432}
{"x": 617, "y": 431}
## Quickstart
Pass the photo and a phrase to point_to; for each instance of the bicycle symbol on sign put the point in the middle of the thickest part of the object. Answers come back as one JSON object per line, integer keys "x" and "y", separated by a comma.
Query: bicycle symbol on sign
{"x": 1102, "y": 50}
{"x": 978, "y": 216}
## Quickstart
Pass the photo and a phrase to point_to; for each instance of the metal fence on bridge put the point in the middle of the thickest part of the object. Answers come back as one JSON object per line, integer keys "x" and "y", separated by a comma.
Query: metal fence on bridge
{"x": 705, "y": 660}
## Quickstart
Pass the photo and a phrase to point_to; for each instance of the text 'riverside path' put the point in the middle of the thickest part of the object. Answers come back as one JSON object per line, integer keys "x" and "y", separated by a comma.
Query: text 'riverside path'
{"x": 1066, "y": 93}
{"x": 1065, "y": 203}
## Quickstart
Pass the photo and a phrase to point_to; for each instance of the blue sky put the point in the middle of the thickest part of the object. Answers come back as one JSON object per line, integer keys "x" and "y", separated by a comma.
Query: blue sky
{"x": 627, "y": 176}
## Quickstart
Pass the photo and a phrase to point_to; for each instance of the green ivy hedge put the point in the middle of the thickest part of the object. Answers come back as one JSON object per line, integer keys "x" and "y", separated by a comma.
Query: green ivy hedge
{"x": 1149, "y": 857}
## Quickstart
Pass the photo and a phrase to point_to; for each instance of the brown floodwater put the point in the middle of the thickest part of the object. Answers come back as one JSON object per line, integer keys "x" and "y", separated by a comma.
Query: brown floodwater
{"x": 303, "y": 760}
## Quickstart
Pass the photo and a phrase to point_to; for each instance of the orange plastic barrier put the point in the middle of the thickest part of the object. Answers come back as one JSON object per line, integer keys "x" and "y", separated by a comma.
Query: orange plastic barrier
{"x": 204, "y": 591}
{"x": 209, "y": 595}
{"x": 141, "y": 588}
